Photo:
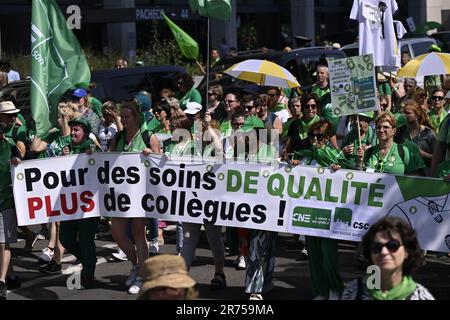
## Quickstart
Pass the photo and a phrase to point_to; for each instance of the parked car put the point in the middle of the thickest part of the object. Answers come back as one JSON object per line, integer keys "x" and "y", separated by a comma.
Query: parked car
{"x": 414, "y": 46}
{"x": 112, "y": 84}
{"x": 300, "y": 62}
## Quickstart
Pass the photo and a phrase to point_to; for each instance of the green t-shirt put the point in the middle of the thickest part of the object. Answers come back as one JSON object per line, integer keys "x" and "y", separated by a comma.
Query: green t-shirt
{"x": 6, "y": 192}
{"x": 55, "y": 144}
{"x": 320, "y": 92}
{"x": 393, "y": 162}
{"x": 385, "y": 89}
{"x": 136, "y": 144}
{"x": 192, "y": 95}
{"x": 21, "y": 134}
{"x": 226, "y": 128}
{"x": 266, "y": 153}
{"x": 286, "y": 126}
{"x": 180, "y": 149}
{"x": 369, "y": 139}
{"x": 443, "y": 135}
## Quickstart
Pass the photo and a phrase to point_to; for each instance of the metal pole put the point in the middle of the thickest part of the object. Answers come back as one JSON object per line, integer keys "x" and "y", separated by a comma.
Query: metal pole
{"x": 207, "y": 67}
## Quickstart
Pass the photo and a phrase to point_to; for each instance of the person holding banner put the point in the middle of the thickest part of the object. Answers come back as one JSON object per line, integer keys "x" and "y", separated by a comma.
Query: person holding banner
{"x": 9, "y": 153}
{"x": 78, "y": 236}
{"x": 390, "y": 244}
{"x": 322, "y": 252}
{"x": 351, "y": 142}
{"x": 388, "y": 156}
{"x": 135, "y": 137}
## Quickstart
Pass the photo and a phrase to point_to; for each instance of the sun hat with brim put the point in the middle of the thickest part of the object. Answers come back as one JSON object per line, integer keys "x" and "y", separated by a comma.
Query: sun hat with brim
{"x": 83, "y": 122}
{"x": 7, "y": 107}
{"x": 193, "y": 108}
{"x": 251, "y": 123}
{"x": 166, "y": 271}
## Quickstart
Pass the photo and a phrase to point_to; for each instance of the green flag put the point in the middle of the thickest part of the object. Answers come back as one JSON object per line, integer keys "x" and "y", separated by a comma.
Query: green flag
{"x": 58, "y": 62}
{"x": 214, "y": 9}
{"x": 188, "y": 46}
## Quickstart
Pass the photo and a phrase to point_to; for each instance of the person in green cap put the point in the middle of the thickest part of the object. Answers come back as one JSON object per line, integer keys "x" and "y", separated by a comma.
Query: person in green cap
{"x": 392, "y": 246}
{"x": 322, "y": 252}
{"x": 78, "y": 236}
{"x": 351, "y": 142}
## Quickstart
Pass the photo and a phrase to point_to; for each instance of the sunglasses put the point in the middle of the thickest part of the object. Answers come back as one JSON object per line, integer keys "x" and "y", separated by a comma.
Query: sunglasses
{"x": 249, "y": 107}
{"x": 319, "y": 136}
{"x": 158, "y": 111}
{"x": 230, "y": 101}
{"x": 272, "y": 95}
{"x": 384, "y": 127}
{"x": 211, "y": 94}
{"x": 392, "y": 246}
{"x": 384, "y": 105}
{"x": 312, "y": 106}
{"x": 440, "y": 98}
{"x": 379, "y": 166}
{"x": 237, "y": 125}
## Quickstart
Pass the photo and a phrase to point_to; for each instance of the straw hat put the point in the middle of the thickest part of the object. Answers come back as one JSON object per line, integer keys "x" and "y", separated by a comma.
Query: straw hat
{"x": 8, "y": 107}
{"x": 166, "y": 271}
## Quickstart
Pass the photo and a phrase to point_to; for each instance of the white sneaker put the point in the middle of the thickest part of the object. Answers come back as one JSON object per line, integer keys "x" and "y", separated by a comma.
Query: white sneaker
{"x": 132, "y": 277}
{"x": 47, "y": 254}
{"x": 153, "y": 247}
{"x": 241, "y": 263}
{"x": 120, "y": 255}
{"x": 136, "y": 287}
{"x": 256, "y": 296}
{"x": 334, "y": 295}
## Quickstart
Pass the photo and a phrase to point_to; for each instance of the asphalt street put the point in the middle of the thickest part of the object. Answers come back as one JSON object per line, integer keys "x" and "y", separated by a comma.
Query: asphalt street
{"x": 291, "y": 277}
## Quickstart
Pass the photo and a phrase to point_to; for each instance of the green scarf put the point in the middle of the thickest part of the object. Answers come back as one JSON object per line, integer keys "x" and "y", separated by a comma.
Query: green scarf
{"x": 82, "y": 147}
{"x": 402, "y": 291}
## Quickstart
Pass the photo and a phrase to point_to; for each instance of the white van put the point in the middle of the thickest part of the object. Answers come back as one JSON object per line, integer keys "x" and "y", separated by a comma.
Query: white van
{"x": 414, "y": 46}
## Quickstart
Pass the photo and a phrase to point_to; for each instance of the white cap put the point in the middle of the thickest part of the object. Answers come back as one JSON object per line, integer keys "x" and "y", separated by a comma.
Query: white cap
{"x": 193, "y": 108}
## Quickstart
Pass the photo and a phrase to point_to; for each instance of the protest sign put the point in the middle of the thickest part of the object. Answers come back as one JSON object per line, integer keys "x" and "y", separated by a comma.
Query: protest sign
{"x": 353, "y": 85}
{"x": 305, "y": 200}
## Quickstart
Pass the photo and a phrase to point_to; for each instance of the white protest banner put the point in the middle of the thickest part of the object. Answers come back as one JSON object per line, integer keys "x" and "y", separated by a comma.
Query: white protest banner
{"x": 132, "y": 185}
{"x": 353, "y": 85}
{"x": 305, "y": 200}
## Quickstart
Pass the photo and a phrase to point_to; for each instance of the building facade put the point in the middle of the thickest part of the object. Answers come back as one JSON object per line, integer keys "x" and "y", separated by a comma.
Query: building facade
{"x": 124, "y": 25}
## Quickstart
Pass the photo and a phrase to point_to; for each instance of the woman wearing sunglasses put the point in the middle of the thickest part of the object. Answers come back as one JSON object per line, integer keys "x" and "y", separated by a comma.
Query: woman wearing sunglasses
{"x": 391, "y": 245}
{"x": 322, "y": 252}
{"x": 438, "y": 112}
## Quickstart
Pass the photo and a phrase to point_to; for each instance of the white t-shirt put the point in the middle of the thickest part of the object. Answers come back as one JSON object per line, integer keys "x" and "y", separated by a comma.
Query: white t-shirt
{"x": 430, "y": 218}
{"x": 369, "y": 16}
{"x": 105, "y": 135}
{"x": 13, "y": 76}
{"x": 283, "y": 115}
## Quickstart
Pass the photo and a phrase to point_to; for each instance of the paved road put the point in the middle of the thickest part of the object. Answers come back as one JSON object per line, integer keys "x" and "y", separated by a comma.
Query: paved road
{"x": 291, "y": 278}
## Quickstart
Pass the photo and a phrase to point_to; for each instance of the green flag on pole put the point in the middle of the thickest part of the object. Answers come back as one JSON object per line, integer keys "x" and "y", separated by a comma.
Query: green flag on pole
{"x": 188, "y": 46}
{"x": 214, "y": 9}
{"x": 58, "y": 62}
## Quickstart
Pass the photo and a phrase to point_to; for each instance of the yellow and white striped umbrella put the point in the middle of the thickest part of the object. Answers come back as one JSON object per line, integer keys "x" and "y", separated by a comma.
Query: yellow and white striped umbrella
{"x": 263, "y": 73}
{"x": 428, "y": 64}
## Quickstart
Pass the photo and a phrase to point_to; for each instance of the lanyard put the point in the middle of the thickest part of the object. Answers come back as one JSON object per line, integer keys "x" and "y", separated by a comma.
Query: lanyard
{"x": 127, "y": 146}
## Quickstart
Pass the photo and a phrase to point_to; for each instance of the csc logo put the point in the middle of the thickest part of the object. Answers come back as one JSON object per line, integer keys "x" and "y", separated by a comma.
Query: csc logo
{"x": 361, "y": 225}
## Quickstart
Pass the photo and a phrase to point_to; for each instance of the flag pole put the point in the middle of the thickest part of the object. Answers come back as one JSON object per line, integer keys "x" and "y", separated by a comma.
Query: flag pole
{"x": 359, "y": 161}
{"x": 207, "y": 66}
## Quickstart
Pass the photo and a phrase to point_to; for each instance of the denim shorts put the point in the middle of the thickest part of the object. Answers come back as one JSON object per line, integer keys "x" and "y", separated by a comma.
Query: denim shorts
{"x": 8, "y": 225}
